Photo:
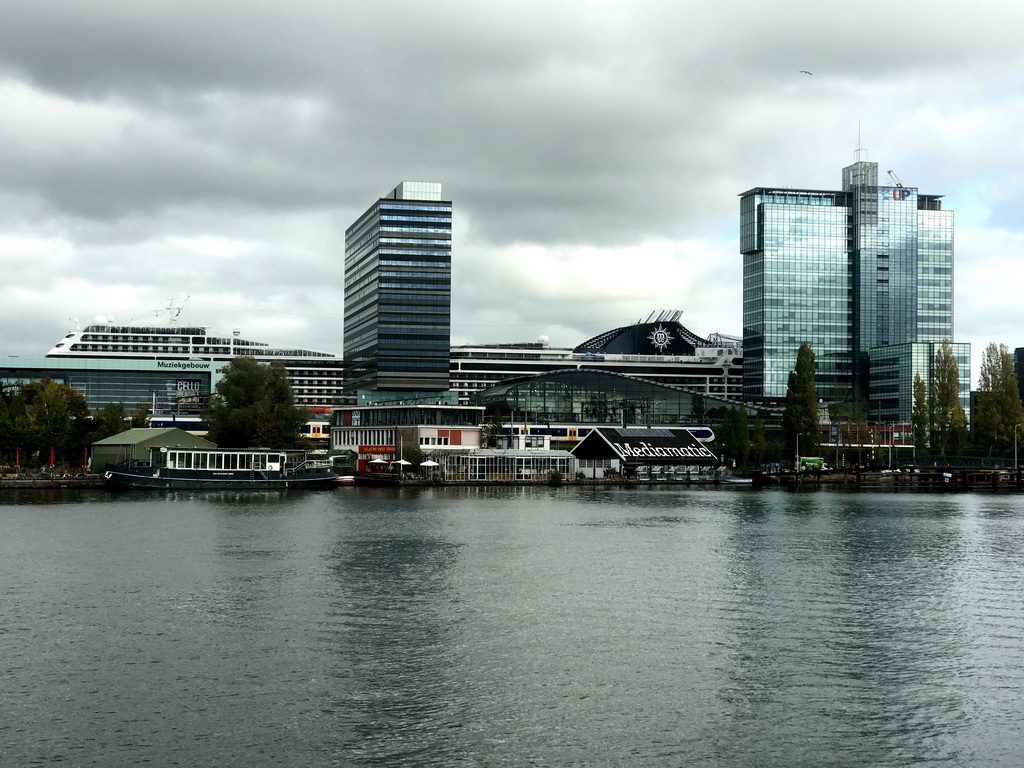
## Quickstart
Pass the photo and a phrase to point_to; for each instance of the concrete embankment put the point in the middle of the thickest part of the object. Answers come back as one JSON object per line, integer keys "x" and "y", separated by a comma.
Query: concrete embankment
{"x": 49, "y": 481}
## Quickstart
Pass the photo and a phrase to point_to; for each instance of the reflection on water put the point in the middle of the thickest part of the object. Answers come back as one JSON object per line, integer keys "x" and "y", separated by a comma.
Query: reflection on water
{"x": 542, "y": 626}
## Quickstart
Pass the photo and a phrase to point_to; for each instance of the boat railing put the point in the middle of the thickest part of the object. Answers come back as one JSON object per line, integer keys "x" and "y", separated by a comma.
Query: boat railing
{"x": 314, "y": 464}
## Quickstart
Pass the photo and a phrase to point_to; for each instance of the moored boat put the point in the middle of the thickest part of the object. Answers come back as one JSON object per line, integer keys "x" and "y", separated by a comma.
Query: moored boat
{"x": 214, "y": 468}
{"x": 730, "y": 480}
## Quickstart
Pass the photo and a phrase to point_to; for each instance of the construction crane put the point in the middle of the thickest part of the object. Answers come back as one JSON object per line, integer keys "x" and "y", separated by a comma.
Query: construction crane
{"x": 895, "y": 179}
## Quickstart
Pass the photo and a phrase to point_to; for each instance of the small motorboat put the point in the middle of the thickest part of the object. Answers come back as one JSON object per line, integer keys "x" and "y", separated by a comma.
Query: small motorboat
{"x": 729, "y": 480}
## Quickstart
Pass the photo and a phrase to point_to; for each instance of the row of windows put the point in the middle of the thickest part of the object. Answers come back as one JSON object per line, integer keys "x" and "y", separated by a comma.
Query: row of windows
{"x": 426, "y": 326}
{"x": 415, "y": 252}
{"x": 783, "y": 249}
{"x": 434, "y": 230}
{"x": 435, "y": 441}
{"x": 382, "y": 437}
{"x": 806, "y": 227}
{"x": 394, "y": 217}
{"x": 414, "y": 206}
{"x": 197, "y": 460}
{"x": 797, "y": 199}
{"x": 426, "y": 298}
{"x": 403, "y": 365}
{"x": 439, "y": 264}
{"x": 399, "y": 350}
{"x": 443, "y": 286}
{"x": 441, "y": 342}
{"x": 128, "y": 338}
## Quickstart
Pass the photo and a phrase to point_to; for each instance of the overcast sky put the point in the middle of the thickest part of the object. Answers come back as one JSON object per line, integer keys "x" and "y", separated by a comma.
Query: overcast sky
{"x": 593, "y": 152}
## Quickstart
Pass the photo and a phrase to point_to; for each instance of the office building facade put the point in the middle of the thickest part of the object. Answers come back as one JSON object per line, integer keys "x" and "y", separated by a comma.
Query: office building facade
{"x": 863, "y": 274}
{"x": 398, "y": 296}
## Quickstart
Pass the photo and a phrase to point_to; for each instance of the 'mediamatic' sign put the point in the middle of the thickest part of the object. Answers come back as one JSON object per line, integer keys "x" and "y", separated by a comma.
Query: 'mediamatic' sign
{"x": 648, "y": 451}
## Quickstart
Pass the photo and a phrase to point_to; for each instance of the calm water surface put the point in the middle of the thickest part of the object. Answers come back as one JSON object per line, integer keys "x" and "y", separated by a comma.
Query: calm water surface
{"x": 508, "y": 627}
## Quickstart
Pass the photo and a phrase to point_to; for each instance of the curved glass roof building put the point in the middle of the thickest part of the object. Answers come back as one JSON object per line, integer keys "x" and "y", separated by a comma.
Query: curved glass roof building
{"x": 579, "y": 396}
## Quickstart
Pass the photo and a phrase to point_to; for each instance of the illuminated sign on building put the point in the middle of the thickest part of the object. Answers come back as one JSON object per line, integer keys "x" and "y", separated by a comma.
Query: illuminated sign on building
{"x": 188, "y": 390}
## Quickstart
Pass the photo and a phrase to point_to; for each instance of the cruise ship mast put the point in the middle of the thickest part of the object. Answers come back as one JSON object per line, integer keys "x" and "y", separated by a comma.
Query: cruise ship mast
{"x": 167, "y": 317}
{"x": 174, "y": 310}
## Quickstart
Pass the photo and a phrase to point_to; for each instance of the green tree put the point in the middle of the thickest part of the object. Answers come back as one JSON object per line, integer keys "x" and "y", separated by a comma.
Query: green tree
{"x": 254, "y": 406}
{"x": 998, "y": 412}
{"x": 492, "y": 430}
{"x": 698, "y": 409}
{"x": 848, "y": 407}
{"x": 413, "y": 454}
{"x": 16, "y": 432}
{"x": 758, "y": 443}
{"x": 56, "y": 417}
{"x": 849, "y": 413}
{"x": 734, "y": 435}
{"x": 8, "y": 441}
{"x": 920, "y": 419}
{"x": 109, "y": 420}
{"x": 139, "y": 419}
{"x": 948, "y": 421}
{"x": 801, "y": 419}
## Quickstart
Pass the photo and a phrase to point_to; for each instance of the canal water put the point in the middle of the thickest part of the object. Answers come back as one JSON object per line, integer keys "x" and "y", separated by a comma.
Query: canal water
{"x": 511, "y": 627}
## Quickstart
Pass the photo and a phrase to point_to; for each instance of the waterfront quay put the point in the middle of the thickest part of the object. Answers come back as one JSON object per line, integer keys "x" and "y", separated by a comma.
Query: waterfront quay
{"x": 46, "y": 480}
{"x": 942, "y": 479}
{"x": 934, "y": 480}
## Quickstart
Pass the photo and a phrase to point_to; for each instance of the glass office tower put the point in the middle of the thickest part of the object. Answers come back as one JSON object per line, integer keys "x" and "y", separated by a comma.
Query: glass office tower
{"x": 851, "y": 272}
{"x": 797, "y": 288}
{"x": 398, "y": 285}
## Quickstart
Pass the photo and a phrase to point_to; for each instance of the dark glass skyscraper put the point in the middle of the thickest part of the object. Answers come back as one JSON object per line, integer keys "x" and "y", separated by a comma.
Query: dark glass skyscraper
{"x": 398, "y": 296}
{"x": 863, "y": 274}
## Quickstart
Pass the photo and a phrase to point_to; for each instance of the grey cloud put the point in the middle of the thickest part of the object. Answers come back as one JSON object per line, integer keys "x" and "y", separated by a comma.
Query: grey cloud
{"x": 134, "y": 129}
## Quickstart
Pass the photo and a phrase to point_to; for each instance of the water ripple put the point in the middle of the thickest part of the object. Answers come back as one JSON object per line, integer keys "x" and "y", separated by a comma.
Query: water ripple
{"x": 551, "y": 626}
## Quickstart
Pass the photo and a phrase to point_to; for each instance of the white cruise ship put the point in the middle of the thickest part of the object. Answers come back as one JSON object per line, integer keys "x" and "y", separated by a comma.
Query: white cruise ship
{"x": 316, "y": 377}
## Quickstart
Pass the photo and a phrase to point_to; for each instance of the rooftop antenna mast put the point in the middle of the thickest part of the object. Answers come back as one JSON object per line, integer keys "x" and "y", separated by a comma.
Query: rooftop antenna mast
{"x": 860, "y": 154}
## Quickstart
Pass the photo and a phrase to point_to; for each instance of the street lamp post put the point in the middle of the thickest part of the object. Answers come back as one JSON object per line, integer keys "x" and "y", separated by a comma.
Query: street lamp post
{"x": 1016, "y": 470}
{"x": 890, "y": 445}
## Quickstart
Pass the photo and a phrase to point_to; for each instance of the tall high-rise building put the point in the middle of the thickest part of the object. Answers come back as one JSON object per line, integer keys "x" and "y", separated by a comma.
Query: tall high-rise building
{"x": 398, "y": 287}
{"x": 863, "y": 274}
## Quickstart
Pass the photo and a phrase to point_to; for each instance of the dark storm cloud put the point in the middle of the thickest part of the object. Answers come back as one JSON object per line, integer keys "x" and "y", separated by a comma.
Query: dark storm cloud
{"x": 523, "y": 109}
{"x": 594, "y": 150}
